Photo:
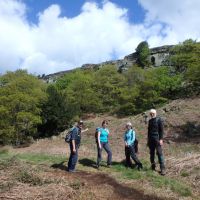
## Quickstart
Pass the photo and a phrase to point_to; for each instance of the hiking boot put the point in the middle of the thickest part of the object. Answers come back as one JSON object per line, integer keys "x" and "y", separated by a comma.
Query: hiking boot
{"x": 153, "y": 167}
{"x": 97, "y": 166}
{"x": 139, "y": 166}
{"x": 162, "y": 172}
{"x": 71, "y": 170}
{"x": 109, "y": 166}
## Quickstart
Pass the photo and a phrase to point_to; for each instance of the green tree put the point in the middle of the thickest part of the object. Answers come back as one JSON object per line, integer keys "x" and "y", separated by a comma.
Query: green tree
{"x": 143, "y": 53}
{"x": 57, "y": 112}
{"x": 21, "y": 96}
{"x": 109, "y": 86}
{"x": 78, "y": 86}
{"x": 185, "y": 57}
{"x": 185, "y": 54}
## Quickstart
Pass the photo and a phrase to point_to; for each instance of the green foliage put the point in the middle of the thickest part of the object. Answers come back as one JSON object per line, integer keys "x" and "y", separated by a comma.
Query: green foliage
{"x": 185, "y": 57}
{"x": 78, "y": 88}
{"x": 143, "y": 53}
{"x": 185, "y": 54}
{"x": 165, "y": 81}
{"x": 21, "y": 96}
{"x": 57, "y": 112}
{"x": 28, "y": 108}
{"x": 108, "y": 86}
{"x": 150, "y": 88}
{"x": 193, "y": 74}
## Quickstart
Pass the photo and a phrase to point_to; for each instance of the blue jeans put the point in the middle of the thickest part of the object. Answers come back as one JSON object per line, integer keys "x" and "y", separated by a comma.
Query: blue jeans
{"x": 106, "y": 146}
{"x": 73, "y": 158}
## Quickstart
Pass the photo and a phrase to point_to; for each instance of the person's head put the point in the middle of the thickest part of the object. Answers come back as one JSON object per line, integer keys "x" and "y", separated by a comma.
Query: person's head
{"x": 104, "y": 123}
{"x": 153, "y": 113}
{"x": 129, "y": 125}
{"x": 80, "y": 123}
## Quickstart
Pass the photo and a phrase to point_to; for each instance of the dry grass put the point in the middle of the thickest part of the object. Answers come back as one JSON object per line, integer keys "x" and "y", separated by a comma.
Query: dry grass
{"x": 21, "y": 180}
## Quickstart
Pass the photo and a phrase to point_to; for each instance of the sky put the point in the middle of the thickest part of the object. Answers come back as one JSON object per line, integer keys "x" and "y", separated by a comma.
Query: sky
{"x": 47, "y": 36}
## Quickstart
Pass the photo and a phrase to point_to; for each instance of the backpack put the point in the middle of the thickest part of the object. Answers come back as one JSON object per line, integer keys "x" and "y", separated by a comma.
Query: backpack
{"x": 96, "y": 134}
{"x": 135, "y": 144}
{"x": 159, "y": 120}
{"x": 69, "y": 135}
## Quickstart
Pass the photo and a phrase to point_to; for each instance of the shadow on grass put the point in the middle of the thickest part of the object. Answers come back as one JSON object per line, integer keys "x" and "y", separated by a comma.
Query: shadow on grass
{"x": 91, "y": 163}
{"x": 87, "y": 162}
{"x": 123, "y": 164}
{"x": 59, "y": 166}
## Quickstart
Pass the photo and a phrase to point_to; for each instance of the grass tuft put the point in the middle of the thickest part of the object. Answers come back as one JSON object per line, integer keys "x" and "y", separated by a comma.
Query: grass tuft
{"x": 31, "y": 177}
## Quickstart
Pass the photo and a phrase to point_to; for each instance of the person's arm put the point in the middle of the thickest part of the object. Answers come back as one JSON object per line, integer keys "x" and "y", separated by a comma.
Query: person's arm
{"x": 82, "y": 131}
{"x": 73, "y": 138}
{"x": 148, "y": 134}
{"x": 73, "y": 146}
{"x": 133, "y": 136}
{"x": 160, "y": 130}
{"x": 98, "y": 137}
{"x": 125, "y": 140}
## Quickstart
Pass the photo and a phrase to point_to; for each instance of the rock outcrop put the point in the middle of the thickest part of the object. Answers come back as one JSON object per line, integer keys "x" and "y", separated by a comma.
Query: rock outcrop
{"x": 158, "y": 57}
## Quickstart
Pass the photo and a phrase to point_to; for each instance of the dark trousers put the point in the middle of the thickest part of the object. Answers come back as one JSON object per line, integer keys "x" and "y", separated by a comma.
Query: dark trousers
{"x": 154, "y": 144}
{"x": 130, "y": 152}
{"x": 72, "y": 159}
{"x": 106, "y": 146}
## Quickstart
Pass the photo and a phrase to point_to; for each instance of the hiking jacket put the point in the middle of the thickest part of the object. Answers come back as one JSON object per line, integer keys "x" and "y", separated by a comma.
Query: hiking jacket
{"x": 155, "y": 129}
{"x": 76, "y": 135}
{"x": 129, "y": 137}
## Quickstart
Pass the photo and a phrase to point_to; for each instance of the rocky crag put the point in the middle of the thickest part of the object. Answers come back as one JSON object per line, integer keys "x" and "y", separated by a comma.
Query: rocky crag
{"x": 158, "y": 57}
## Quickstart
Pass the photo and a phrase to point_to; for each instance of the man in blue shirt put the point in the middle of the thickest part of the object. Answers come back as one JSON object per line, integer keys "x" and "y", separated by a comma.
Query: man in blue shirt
{"x": 74, "y": 146}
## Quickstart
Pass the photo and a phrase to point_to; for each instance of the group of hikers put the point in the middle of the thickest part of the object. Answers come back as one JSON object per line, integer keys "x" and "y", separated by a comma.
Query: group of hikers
{"x": 154, "y": 142}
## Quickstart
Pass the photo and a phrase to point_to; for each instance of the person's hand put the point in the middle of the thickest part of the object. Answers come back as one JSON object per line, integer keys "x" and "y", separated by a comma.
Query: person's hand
{"x": 161, "y": 142}
{"x": 74, "y": 150}
{"x": 99, "y": 146}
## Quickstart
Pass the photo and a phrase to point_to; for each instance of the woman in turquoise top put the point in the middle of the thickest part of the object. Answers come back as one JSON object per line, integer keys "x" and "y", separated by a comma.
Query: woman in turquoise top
{"x": 102, "y": 142}
{"x": 129, "y": 139}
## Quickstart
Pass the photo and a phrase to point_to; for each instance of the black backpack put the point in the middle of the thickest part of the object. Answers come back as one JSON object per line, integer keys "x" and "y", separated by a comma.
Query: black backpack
{"x": 69, "y": 135}
{"x": 96, "y": 134}
{"x": 136, "y": 145}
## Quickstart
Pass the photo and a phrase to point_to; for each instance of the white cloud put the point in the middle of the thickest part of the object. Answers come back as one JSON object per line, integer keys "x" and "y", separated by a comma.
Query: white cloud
{"x": 95, "y": 35}
{"x": 181, "y": 18}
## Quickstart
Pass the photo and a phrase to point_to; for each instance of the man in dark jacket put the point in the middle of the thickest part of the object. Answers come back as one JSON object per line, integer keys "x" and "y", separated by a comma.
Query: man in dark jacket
{"x": 155, "y": 140}
{"x": 74, "y": 146}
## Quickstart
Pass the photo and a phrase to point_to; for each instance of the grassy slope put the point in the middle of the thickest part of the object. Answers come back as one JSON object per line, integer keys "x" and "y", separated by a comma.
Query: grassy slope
{"x": 182, "y": 159}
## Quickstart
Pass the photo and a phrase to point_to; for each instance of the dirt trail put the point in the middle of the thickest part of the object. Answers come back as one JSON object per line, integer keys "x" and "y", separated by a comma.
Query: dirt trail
{"x": 118, "y": 191}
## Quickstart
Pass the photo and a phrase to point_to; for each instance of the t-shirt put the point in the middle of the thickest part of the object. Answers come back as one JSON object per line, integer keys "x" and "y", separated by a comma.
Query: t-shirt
{"x": 76, "y": 135}
{"x": 129, "y": 136}
{"x": 104, "y": 132}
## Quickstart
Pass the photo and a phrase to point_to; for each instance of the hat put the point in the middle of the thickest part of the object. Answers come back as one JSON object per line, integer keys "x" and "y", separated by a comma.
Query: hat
{"x": 153, "y": 111}
{"x": 128, "y": 124}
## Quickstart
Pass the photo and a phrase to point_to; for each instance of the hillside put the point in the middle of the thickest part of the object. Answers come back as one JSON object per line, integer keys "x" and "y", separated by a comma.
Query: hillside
{"x": 39, "y": 170}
